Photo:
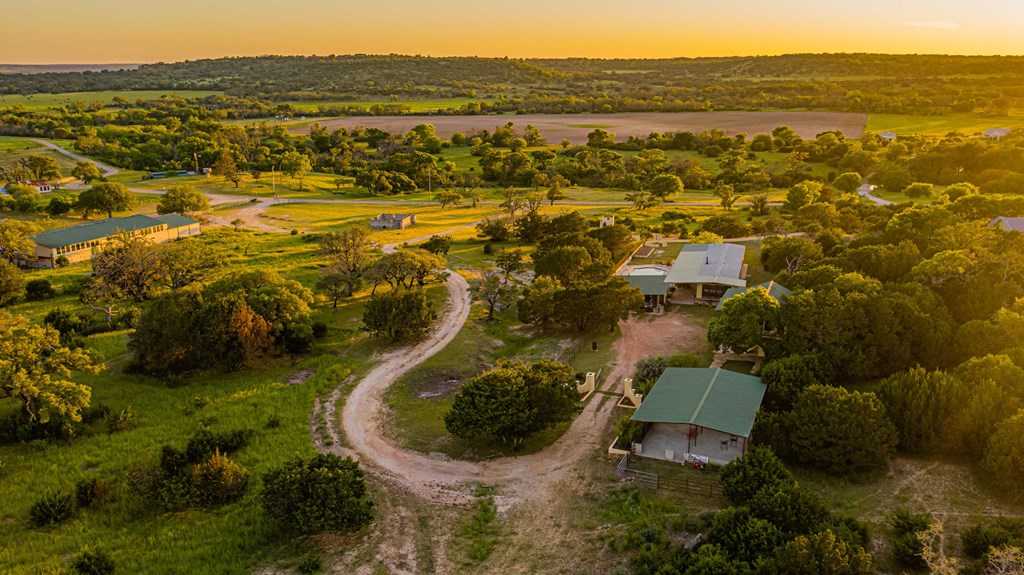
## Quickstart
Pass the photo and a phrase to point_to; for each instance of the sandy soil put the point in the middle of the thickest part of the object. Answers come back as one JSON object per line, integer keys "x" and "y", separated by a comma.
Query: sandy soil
{"x": 574, "y": 127}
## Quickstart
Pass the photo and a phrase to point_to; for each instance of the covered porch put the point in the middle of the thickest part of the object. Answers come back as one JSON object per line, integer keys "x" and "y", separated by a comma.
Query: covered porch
{"x": 674, "y": 442}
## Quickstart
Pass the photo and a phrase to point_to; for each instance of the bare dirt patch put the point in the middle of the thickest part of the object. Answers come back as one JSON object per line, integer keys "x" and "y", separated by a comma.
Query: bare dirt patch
{"x": 574, "y": 127}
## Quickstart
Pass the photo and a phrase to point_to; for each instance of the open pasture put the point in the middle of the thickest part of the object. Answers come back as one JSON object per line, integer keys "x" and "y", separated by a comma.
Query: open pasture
{"x": 907, "y": 124}
{"x": 44, "y": 101}
{"x": 575, "y": 127}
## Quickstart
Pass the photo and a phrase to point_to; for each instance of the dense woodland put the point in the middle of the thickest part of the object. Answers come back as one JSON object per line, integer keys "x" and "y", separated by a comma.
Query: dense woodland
{"x": 837, "y": 82}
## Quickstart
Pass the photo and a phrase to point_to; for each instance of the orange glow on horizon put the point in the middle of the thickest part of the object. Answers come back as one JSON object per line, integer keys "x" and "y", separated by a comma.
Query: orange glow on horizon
{"x": 88, "y": 31}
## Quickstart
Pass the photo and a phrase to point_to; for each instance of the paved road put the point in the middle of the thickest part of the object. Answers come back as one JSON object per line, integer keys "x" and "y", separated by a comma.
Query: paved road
{"x": 865, "y": 191}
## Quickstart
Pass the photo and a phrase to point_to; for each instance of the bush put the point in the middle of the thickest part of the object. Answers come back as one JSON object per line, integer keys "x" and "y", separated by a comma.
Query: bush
{"x": 51, "y": 509}
{"x": 204, "y": 443}
{"x": 88, "y": 492}
{"x": 38, "y": 290}
{"x": 325, "y": 493}
{"x": 978, "y": 539}
{"x": 512, "y": 401}
{"x": 399, "y": 316}
{"x": 121, "y": 421}
{"x": 319, "y": 330}
{"x": 11, "y": 283}
{"x": 310, "y": 565}
{"x": 218, "y": 480}
{"x": 94, "y": 562}
{"x": 906, "y": 545}
{"x": 759, "y": 469}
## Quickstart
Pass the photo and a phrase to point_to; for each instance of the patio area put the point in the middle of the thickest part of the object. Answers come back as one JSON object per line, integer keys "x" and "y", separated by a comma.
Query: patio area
{"x": 672, "y": 442}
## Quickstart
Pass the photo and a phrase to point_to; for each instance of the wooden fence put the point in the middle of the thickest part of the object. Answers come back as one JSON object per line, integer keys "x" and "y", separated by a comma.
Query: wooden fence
{"x": 682, "y": 482}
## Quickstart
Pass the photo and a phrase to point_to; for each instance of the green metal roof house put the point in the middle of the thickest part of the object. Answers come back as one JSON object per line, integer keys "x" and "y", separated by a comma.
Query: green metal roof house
{"x": 703, "y": 412}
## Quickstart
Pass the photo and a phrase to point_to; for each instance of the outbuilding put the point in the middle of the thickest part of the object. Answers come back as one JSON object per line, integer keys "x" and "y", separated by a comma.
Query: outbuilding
{"x": 702, "y": 414}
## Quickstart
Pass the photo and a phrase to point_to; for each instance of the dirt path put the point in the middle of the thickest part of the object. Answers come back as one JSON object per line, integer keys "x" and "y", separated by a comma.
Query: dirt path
{"x": 106, "y": 169}
{"x": 443, "y": 480}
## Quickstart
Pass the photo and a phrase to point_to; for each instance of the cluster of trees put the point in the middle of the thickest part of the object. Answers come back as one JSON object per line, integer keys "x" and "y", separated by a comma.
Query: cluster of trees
{"x": 771, "y": 526}
{"x": 403, "y": 312}
{"x": 926, "y": 296}
{"x": 231, "y": 322}
{"x": 574, "y": 286}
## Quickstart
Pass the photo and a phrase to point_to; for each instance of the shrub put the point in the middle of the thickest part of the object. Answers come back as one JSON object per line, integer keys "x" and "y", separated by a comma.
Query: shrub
{"x": 309, "y": 565}
{"x": 325, "y": 493}
{"x": 399, "y": 316}
{"x": 512, "y": 401}
{"x": 319, "y": 330}
{"x": 11, "y": 283}
{"x": 93, "y": 562}
{"x": 88, "y": 492}
{"x": 906, "y": 545}
{"x": 204, "y": 443}
{"x": 978, "y": 539}
{"x": 38, "y": 290}
{"x": 218, "y": 480}
{"x": 759, "y": 469}
{"x": 61, "y": 261}
{"x": 52, "y": 508}
{"x": 121, "y": 421}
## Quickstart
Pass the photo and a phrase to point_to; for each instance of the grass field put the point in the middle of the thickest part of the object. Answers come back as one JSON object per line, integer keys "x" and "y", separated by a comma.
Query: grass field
{"x": 44, "y": 101}
{"x": 229, "y": 539}
{"x": 940, "y": 125}
{"x": 412, "y": 106}
{"x": 314, "y": 185}
{"x": 12, "y": 149}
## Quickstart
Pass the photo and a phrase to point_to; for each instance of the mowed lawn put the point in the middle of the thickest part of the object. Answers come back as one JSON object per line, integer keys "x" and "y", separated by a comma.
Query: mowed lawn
{"x": 906, "y": 124}
{"x": 44, "y": 101}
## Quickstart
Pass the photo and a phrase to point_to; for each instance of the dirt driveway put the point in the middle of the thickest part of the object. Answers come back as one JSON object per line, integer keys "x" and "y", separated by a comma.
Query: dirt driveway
{"x": 442, "y": 480}
{"x": 575, "y": 127}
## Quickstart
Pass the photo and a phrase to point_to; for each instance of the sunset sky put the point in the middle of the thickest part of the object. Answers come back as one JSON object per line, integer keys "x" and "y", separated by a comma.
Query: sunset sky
{"x": 103, "y": 31}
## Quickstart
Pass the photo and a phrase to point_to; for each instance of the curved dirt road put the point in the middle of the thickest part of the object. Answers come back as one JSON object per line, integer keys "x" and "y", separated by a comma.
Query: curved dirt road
{"x": 443, "y": 480}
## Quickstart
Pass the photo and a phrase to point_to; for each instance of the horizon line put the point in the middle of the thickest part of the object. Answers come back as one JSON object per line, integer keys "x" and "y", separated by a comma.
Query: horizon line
{"x": 508, "y": 57}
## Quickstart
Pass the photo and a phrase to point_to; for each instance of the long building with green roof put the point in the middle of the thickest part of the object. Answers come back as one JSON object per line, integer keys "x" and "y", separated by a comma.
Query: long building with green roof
{"x": 79, "y": 243}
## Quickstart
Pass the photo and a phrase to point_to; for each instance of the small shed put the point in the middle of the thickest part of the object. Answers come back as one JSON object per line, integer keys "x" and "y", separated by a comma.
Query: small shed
{"x": 393, "y": 221}
{"x": 703, "y": 412}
